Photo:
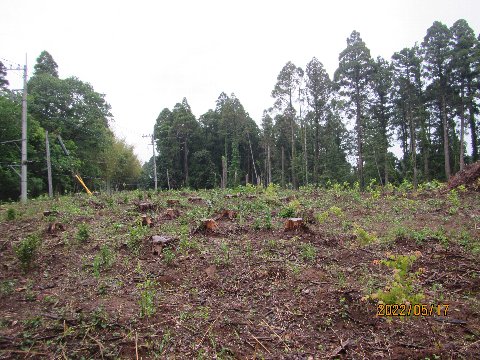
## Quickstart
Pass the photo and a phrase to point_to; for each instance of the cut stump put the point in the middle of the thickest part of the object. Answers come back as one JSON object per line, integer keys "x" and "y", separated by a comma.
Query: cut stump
{"x": 292, "y": 224}
{"x": 147, "y": 220}
{"x": 158, "y": 242}
{"x": 226, "y": 214}
{"x": 145, "y": 206}
{"x": 54, "y": 227}
{"x": 172, "y": 202}
{"x": 172, "y": 213}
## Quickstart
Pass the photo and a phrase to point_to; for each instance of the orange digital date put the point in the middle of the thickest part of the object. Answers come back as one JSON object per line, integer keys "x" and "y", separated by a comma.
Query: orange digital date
{"x": 412, "y": 309}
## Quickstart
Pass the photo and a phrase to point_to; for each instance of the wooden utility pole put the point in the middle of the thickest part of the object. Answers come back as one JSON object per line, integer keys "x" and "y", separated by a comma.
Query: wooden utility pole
{"x": 49, "y": 166}
{"x": 23, "y": 186}
{"x": 154, "y": 160}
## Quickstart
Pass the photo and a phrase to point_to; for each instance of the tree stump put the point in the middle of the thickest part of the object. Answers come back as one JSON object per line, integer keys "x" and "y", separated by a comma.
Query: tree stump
{"x": 54, "y": 227}
{"x": 195, "y": 199}
{"x": 172, "y": 213}
{"x": 50, "y": 212}
{"x": 292, "y": 224}
{"x": 172, "y": 202}
{"x": 231, "y": 196}
{"x": 158, "y": 242}
{"x": 145, "y": 206}
{"x": 147, "y": 221}
{"x": 226, "y": 214}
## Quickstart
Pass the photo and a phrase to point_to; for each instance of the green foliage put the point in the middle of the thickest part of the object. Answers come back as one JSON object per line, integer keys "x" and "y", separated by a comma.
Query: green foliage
{"x": 83, "y": 233}
{"x": 136, "y": 235}
{"x": 308, "y": 252}
{"x": 26, "y": 251}
{"x": 11, "y": 214}
{"x": 103, "y": 260}
{"x": 400, "y": 286}
{"x": 363, "y": 237}
{"x": 290, "y": 210}
{"x": 168, "y": 255}
{"x": 148, "y": 294}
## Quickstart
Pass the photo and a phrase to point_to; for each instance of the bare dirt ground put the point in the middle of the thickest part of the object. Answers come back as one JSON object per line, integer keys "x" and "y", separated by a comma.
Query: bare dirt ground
{"x": 95, "y": 287}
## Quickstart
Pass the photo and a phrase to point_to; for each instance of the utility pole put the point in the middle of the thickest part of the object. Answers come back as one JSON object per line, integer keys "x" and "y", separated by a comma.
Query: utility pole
{"x": 49, "y": 166}
{"x": 23, "y": 187}
{"x": 154, "y": 160}
{"x": 23, "y": 164}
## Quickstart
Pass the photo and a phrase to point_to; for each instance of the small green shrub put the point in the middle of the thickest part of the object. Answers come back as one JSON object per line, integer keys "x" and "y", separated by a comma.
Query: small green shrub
{"x": 26, "y": 250}
{"x": 400, "y": 287}
{"x": 290, "y": 210}
{"x": 147, "y": 298}
{"x": 103, "y": 260}
{"x": 83, "y": 233}
{"x": 363, "y": 237}
{"x": 168, "y": 255}
{"x": 308, "y": 252}
{"x": 136, "y": 235}
{"x": 11, "y": 214}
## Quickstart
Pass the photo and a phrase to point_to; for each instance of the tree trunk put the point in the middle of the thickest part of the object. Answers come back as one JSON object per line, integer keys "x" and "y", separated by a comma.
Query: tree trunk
{"x": 462, "y": 127}
{"x": 473, "y": 131}
{"x": 294, "y": 181}
{"x": 359, "y": 140}
{"x": 185, "y": 162}
{"x": 317, "y": 149}
{"x": 413, "y": 149}
{"x": 269, "y": 166}
{"x": 446, "y": 150}
{"x": 283, "y": 167}
{"x": 224, "y": 172}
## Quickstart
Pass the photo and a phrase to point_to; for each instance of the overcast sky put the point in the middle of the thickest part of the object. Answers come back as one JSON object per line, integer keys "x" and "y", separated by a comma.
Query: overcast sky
{"x": 148, "y": 55}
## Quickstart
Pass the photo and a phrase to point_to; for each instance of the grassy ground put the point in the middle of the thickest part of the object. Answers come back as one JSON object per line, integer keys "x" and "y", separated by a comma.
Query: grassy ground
{"x": 91, "y": 287}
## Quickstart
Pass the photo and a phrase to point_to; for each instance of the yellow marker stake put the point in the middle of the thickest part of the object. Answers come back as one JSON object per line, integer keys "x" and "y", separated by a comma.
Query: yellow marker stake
{"x": 83, "y": 184}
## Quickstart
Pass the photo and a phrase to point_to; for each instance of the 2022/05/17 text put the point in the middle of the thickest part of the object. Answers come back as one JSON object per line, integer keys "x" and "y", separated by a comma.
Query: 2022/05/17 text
{"x": 412, "y": 309}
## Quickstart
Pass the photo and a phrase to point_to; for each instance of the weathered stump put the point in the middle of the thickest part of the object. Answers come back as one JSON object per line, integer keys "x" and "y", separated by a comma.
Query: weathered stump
{"x": 172, "y": 202}
{"x": 172, "y": 213}
{"x": 158, "y": 242}
{"x": 292, "y": 224}
{"x": 145, "y": 206}
{"x": 147, "y": 220}
{"x": 195, "y": 199}
{"x": 226, "y": 214}
{"x": 54, "y": 227}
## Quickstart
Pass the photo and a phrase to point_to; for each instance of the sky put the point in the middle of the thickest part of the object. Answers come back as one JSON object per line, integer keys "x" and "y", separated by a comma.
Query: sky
{"x": 148, "y": 55}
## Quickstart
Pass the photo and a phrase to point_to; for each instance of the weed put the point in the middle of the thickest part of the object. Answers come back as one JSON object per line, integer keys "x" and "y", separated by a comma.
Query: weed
{"x": 11, "y": 214}
{"x": 103, "y": 260}
{"x": 454, "y": 202}
{"x": 225, "y": 255}
{"x": 168, "y": 255}
{"x": 136, "y": 235}
{"x": 83, "y": 233}
{"x": 400, "y": 286}
{"x": 7, "y": 287}
{"x": 99, "y": 318}
{"x": 147, "y": 298}
{"x": 308, "y": 252}
{"x": 290, "y": 210}
{"x": 26, "y": 251}
{"x": 363, "y": 236}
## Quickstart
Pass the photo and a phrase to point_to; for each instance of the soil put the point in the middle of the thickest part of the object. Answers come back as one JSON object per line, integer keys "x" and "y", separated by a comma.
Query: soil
{"x": 246, "y": 289}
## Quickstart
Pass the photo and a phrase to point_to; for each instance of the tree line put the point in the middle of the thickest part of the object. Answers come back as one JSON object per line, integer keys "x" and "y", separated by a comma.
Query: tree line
{"x": 72, "y": 110}
{"x": 320, "y": 130}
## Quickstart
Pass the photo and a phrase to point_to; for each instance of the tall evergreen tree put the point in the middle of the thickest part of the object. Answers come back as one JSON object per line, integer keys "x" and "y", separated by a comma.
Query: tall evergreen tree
{"x": 465, "y": 54}
{"x": 46, "y": 65}
{"x": 3, "y": 73}
{"x": 286, "y": 93}
{"x": 318, "y": 90}
{"x": 353, "y": 77}
{"x": 437, "y": 53}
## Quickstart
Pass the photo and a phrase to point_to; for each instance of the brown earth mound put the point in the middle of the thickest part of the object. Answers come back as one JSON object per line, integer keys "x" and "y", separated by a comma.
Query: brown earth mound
{"x": 469, "y": 176}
